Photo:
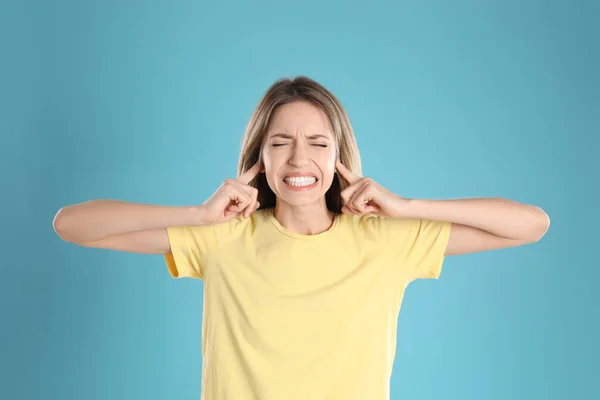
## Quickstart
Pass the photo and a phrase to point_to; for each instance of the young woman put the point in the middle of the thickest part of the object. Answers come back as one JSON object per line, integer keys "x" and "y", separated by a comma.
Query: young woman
{"x": 305, "y": 261}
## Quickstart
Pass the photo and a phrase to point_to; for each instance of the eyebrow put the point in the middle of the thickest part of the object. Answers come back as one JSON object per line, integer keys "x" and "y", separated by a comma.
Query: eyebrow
{"x": 288, "y": 136}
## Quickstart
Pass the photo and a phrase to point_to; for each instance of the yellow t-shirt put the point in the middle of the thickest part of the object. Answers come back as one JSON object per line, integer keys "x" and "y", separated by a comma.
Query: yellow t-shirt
{"x": 297, "y": 317}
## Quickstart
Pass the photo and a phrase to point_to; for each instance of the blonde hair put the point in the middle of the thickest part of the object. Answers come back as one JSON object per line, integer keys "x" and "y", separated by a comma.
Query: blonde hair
{"x": 285, "y": 91}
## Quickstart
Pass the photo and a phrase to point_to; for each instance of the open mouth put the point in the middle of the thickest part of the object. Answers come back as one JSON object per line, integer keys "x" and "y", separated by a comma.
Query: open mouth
{"x": 300, "y": 181}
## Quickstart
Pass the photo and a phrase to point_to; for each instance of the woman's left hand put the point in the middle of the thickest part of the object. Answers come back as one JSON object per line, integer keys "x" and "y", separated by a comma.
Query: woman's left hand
{"x": 365, "y": 196}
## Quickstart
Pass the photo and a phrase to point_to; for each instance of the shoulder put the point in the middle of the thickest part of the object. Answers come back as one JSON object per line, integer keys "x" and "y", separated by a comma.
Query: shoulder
{"x": 381, "y": 227}
{"x": 224, "y": 230}
{"x": 240, "y": 225}
{"x": 366, "y": 225}
{"x": 372, "y": 221}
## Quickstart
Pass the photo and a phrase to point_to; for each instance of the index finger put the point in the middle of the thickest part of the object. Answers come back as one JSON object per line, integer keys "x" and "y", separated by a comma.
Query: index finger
{"x": 247, "y": 176}
{"x": 346, "y": 173}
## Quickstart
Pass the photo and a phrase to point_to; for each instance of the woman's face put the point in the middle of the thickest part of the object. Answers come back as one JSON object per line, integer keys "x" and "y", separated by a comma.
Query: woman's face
{"x": 299, "y": 154}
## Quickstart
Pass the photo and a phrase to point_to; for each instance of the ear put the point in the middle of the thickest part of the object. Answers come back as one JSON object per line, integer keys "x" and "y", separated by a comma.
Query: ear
{"x": 260, "y": 160}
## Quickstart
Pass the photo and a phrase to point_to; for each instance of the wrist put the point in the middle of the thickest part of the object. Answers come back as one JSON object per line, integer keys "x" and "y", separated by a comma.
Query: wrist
{"x": 408, "y": 208}
{"x": 196, "y": 215}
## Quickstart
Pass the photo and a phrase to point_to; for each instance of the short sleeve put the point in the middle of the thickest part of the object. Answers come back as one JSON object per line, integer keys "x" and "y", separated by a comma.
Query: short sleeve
{"x": 191, "y": 247}
{"x": 420, "y": 245}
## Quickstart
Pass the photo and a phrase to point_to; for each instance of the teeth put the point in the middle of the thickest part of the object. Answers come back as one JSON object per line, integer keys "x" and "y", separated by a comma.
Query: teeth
{"x": 300, "y": 181}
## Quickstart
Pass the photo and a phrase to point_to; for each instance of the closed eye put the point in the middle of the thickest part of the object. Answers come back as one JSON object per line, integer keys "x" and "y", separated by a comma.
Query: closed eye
{"x": 283, "y": 144}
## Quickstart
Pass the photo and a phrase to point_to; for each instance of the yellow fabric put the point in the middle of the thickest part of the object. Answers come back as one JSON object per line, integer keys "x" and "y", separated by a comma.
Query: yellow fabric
{"x": 298, "y": 317}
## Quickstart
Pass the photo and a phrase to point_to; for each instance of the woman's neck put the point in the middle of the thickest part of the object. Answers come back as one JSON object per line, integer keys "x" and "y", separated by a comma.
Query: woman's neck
{"x": 310, "y": 219}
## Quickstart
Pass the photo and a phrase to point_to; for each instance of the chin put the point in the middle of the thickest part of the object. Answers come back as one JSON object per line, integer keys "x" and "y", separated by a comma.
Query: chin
{"x": 301, "y": 198}
{"x": 297, "y": 202}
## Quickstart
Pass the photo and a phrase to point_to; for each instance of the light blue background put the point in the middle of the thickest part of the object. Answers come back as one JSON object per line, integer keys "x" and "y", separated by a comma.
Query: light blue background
{"x": 146, "y": 101}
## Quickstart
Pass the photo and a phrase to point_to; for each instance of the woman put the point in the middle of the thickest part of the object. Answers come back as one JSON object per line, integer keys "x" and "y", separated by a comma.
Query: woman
{"x": 305, "y": 261}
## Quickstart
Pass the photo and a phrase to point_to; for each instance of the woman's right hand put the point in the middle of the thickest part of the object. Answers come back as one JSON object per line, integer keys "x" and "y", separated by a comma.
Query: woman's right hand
{"x": 234, "y": 198}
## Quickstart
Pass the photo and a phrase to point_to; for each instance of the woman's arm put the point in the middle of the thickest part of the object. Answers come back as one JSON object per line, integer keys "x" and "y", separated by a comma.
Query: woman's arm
{"x": 477, "y": 224}
{"x": 97, "y": 220}
{"x": 482, "y": 223}
{"x": 142, "y": 228}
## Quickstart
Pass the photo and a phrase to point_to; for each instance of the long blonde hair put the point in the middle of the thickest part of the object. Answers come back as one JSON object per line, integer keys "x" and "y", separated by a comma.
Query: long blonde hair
{"x": 288, "y": 90}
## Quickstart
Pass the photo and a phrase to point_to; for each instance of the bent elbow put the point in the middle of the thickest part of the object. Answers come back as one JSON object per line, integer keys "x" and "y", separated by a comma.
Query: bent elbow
{"x": 542, "y": 225}
{"x": 59, "y": 223}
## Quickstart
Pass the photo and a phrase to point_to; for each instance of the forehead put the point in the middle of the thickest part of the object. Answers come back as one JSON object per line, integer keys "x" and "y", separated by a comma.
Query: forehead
{"x": 299, "y": 118}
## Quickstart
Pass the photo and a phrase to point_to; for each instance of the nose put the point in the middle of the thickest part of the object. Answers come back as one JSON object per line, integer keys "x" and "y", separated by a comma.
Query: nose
{"x": 299, "y": 156}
